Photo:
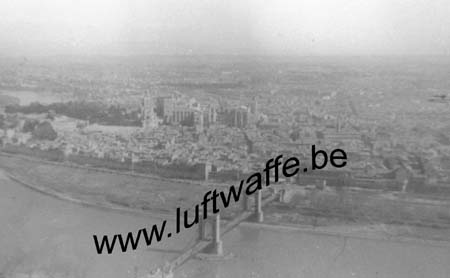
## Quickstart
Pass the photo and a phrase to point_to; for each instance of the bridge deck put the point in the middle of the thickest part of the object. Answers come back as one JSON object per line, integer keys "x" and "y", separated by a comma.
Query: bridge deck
{"x": 230, "y": 225}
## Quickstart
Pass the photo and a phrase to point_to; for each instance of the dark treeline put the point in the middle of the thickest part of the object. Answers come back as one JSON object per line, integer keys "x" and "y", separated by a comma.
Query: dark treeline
{"x": 205, "y": 85}
{"x": 88, "y": 111}
{"x": 175, "y": 170}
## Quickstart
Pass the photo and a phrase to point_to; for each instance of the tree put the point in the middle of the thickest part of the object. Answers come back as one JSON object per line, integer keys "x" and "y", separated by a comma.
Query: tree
{"x": 2, "y": 121}
{"x": 29, "y": 125}
{"x": 44, "y": 131}
{"x": 51, "y": 114}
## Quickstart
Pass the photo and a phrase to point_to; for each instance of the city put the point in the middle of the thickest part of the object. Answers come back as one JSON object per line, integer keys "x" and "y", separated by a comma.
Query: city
{"x": 224, "y": 139}
{"x": 155, "y": 139}
{"x": 231, "y": 125}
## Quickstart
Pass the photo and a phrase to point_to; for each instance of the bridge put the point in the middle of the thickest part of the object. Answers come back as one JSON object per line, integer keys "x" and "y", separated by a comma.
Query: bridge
{"x": 213, "y": 245}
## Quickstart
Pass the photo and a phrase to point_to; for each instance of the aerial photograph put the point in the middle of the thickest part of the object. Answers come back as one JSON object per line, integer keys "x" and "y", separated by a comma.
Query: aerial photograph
{"x": 224, "y": 138}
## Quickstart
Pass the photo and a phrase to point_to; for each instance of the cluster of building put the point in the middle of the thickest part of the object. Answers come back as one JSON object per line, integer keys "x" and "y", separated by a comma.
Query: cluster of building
{"x": 240, "y": 135}
{"x": 179, "y": 109}
{"x": 234, "y": 127}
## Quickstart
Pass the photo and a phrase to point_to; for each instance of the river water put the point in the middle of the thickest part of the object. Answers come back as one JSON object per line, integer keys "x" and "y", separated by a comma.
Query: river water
{"x": 46, "y": 237}
{"x": 28, "y": 97}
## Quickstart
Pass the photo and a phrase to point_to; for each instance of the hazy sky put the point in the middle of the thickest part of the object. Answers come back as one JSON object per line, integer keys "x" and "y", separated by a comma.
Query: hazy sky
{"x": 299, "y": 27}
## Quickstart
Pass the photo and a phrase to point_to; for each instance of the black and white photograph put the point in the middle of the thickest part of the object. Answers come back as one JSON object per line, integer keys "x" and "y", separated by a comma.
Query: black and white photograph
{"x": 224, "y": 138}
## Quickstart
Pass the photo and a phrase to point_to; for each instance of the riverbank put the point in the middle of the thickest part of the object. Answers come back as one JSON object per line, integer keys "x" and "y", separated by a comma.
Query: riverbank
{"x": 372, "y": 232}
{"x": 104, "y": 188}
{"x": 48, "y": 237}
{"x": 159, "y": 197}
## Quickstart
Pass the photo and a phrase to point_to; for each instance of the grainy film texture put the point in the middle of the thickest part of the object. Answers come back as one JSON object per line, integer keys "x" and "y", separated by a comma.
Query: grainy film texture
{"x": 176, "y": 138}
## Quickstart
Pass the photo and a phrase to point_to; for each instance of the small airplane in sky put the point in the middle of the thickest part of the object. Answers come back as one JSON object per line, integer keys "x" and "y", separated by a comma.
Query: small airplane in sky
{"x": 441, "y": 98}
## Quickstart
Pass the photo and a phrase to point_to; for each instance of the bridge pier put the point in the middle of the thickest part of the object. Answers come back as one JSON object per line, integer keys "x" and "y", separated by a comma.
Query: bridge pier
{"x": 281, "y": 194}
{"x": 259, "y": 215}
{"x": 245, "y": 205}
{"x": 201, "y": 229}
{"x": 216, "y": 246}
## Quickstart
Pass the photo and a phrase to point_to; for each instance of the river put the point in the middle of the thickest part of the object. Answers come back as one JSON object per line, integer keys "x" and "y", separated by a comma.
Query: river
{"x": 28, "y": 97}
{"x": 47, "y": 237}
